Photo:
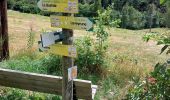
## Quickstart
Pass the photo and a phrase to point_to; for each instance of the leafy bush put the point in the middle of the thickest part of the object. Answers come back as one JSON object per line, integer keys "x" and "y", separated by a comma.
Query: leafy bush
{"x": 132, "y": 18}
{"x": 89, "y": 59}
{"x": 87, "y": 10}
{"x": 156, "y": 86}
{"x": 167, "y": 19}
{"x": 161, "y": 38}
{"x": 52, "y": 64}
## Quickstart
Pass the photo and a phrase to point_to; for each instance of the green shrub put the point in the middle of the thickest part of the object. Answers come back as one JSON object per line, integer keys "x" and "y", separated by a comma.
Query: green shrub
{"x": 132, "y": 18}
{"x": 156, "y": 86}
{"x": 52, "y": 64}
{"x": 167, "y": 19}
{"x": 49, "y": 64}
{"x": 10, "y": 4}
{"x": 87, "y": 10}
{"x": 89, "y": 59}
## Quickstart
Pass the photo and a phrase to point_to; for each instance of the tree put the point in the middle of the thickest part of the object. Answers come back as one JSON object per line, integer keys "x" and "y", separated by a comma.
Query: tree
{"x": 132, "y": 18}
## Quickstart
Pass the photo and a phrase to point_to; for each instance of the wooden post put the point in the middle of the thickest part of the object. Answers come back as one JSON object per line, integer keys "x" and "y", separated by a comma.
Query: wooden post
{"x": 67, "y": 88}
{"x": 0, "y": 36}
{"x": 4, "y": 30}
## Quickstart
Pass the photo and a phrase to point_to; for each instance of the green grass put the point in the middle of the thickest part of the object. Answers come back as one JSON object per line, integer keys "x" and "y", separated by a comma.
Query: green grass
{"x": 129, "y": 57}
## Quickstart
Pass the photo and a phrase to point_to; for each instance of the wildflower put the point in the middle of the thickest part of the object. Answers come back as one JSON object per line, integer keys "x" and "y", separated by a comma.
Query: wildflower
{"x": 151, "y": 80}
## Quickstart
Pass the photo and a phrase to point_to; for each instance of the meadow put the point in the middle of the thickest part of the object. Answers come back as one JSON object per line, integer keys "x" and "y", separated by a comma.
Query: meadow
{"x": 129, "y": 56}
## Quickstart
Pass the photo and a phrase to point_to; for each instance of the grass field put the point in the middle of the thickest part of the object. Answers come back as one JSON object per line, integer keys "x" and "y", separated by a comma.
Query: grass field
{"x": 129, "y": 54}
{"x": 122, "y": 41}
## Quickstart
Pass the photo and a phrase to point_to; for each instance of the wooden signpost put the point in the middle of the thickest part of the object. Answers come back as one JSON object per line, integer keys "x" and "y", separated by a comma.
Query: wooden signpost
{"x": 4, "y": 47}
{"x": 66, "y": 49}
{"x": 67, "y": 86}
{"x": 66, "y": 6}
{"x": 79, "y": 23}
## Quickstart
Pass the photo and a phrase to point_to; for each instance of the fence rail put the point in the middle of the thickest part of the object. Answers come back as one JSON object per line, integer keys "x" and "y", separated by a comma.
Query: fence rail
{"x": 44, "y": 83}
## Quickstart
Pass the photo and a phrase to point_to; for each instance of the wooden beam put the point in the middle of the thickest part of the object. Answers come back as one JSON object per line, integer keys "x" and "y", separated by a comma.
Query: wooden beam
{"x": 43, "y": 83}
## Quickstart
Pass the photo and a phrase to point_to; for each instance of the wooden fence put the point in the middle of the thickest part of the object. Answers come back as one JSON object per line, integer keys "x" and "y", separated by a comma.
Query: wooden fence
{"x": 44, "y": 83}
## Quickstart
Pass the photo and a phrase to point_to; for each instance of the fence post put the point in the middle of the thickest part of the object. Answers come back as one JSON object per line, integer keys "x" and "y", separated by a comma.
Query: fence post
{"x": 0, "y": 36}
{"x": 4, "y": 30}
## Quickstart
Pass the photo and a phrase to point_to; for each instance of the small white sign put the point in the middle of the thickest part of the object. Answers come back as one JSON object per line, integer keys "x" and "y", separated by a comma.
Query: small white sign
{"x": 50, "y": 38}
{"x": 72, "y": 73}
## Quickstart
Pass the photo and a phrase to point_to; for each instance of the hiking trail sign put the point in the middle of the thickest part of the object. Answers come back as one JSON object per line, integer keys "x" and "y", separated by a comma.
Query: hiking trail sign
{"x": 79, "y": 23}
{"x": 63, "y": 50}
{"x": 48, "y": 43}
{"x": 65, "y": 6}
{"x": 59, "y": 49}
{"x": 51, "y": 38}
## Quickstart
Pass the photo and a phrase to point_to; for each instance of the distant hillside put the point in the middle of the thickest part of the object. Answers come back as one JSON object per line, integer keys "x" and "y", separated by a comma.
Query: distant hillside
{"x": 134, "y": 14}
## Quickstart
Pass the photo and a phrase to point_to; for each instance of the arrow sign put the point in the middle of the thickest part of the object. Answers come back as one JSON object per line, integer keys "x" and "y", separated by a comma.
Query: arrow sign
{"x": 59, "y": 49}
{"x": 63, "y": 50}
{"x": 50, "y": 38}
{"x": 66, "y": 6}
{"x": 79, "y": 23}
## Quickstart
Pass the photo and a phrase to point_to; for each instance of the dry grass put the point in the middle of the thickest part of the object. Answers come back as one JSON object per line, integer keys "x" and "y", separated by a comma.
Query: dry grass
{"x": 20, "y": 25}
{"x": 122, "y": 40}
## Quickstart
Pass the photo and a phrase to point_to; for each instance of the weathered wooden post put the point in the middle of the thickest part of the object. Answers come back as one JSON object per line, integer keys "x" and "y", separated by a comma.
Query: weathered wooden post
{"x": 0, "y": 37}
{"x": 67, "y": 88}
{"x": 4, "y": 54}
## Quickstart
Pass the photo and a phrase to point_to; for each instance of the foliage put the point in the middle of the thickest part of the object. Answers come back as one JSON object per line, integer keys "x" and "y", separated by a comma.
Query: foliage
{"x": 52, "y": 64}
{"x": 17, "y": 94}
{"x": 48, "y": 64}
{"x": 167, "y": 14}
{"x": 131, "y": 18}
{"x": 103, "y": 19}
{"x": 89, "y": 8}
{"x": 156, "y": 86}
{"x": 89, "y": 60}
{"x": 167, "y": 18}
{"x": 162, "y": 39}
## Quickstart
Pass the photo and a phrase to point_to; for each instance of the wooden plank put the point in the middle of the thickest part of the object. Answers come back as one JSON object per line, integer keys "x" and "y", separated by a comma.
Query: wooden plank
{"x": 42, "y": 83}
{"x": 30, "y": 87}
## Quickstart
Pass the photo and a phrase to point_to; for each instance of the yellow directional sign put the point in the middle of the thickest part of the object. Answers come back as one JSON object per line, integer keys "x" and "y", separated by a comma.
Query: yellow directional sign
{"x": 63, "y": 50}
{"x": 66, "y": 6}
{"x": 79, "y": 23}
